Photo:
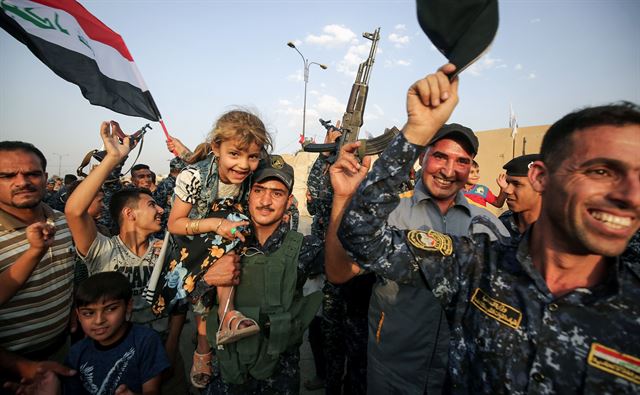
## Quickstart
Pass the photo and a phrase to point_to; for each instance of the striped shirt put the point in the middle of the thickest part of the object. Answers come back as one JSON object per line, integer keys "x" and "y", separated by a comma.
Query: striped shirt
{"x": 38, "y": 314}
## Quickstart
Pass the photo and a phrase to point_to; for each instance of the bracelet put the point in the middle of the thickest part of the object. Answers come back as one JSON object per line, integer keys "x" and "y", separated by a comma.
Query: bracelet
{"x": 219, "y": 225}
{"x": 186, "y": 227}
{"x": 195, "y": 226}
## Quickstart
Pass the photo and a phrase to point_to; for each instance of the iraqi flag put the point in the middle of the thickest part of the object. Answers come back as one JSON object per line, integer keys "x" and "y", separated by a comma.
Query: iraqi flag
{"x": 82, "y": 50}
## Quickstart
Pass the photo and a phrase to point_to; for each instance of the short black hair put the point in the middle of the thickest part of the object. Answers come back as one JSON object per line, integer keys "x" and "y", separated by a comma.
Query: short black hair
{"x": 123, "y": 198}
{"x": 8, "y": 146}
{"x": 105, "y": 285}
{"x": 557, "y": 143}
{"x": 140, "y": 166}
{"x": 69, "y": 179}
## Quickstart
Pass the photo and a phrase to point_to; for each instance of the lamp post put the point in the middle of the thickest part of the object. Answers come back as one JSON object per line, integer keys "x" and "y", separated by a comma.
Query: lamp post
{"x": 307, "y": 64}
{"x": 60, "y": 162}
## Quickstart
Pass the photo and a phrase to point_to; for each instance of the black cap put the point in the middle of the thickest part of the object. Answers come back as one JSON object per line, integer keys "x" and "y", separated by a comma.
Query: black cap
{"x": 461, "y": 30}
{"x": 274, "y": 166}
{"x": 454, "y": 129}
{"x": 519, "y": 167}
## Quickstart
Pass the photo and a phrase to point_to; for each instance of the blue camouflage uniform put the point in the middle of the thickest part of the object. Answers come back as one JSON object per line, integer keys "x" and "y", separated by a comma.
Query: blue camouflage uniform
{"x": 344, "y": 306}
{"x": 509, "y": 334}
{"x": 508, "y": 219}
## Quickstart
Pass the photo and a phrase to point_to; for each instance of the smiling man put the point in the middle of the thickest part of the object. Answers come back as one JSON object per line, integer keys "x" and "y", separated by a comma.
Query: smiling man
{"x": 408, "y": 333}
{"x": 557, "y": 312}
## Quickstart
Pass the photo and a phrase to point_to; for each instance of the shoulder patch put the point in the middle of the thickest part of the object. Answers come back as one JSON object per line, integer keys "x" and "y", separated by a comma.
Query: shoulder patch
{"x": 431, "y": 241}
{"x": 496, "y": 309}
{"x": 405, "y": 195}
{"x": 614, "y": 362}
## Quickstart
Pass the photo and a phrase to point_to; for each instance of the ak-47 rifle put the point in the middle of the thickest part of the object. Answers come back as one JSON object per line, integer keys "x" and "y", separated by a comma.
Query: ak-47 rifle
{"x": 353, "y": 117}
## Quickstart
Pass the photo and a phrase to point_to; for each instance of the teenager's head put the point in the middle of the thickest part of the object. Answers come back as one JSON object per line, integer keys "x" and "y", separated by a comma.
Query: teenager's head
{"x": 238, "y": 139}
{"x": 141, "y": 176}
{"x": 135, "y": 206}
{"x": 474, "y": 173}
{"x": 589, "y": 178}
{"x": 103, "y": 302}
{"x": 95, "y": 209}
{"x": 520, "y": 193}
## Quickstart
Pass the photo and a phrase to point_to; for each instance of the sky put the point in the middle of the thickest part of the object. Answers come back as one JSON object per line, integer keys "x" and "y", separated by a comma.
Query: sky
{"x": 203, "y": 58}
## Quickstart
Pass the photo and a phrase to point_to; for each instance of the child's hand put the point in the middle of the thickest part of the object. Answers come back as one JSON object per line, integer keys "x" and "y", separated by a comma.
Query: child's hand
{"x": 502, "y": 181}
{"x": 231, "y": 230}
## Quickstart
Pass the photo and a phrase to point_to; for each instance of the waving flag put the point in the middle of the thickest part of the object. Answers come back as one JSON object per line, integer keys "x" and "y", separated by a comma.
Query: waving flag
{"x": 82, "y": 50}
{"x": 513, "y": 123}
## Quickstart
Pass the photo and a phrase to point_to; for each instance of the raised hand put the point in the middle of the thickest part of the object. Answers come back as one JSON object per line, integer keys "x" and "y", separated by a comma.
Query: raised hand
{"x": 111, "y": 135}
{"x": 347, "y": 172}
{"x": 502, "y": 181}
{"x": 430, "y": 102}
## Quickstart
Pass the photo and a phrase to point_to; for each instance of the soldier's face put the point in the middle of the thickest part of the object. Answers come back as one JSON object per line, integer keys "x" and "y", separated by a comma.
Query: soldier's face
{"x": 142, "y": 178}
{"x": 22, "y": 179}
{"x": 446, "y": 169}
{"x": 593, "y": 197}
{"x": 268, "y": 202}
{"x": 520, "y": 194}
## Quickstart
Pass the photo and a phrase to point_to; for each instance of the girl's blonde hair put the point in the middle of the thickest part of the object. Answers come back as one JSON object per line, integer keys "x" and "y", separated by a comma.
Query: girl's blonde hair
{"x": 242, "y": 125}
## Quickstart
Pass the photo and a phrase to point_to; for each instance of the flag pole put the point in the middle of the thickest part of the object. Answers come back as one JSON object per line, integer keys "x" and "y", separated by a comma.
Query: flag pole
{"x": 166, "y": 134}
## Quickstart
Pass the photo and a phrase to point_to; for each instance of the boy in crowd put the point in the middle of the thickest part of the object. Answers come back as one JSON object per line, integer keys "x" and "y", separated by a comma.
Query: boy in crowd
{"x": 481, "y": 194}
{"x": 116, "y": 356}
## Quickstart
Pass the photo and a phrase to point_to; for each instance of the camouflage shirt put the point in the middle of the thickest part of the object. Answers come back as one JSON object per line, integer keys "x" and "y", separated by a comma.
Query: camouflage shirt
{"x": 508, "y": 219}
{"x": 509, "y": 334}
{"x": 321, "y": 191}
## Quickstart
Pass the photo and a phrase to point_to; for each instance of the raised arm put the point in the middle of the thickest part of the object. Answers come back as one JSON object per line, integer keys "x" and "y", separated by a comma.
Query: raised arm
{"x": 364, "y": 231}
{"x": 82, "y": 226}
{"x": 346, "y": 174}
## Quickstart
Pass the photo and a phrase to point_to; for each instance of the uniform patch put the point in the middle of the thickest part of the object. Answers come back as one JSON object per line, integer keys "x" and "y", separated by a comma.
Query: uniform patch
{"x": 496, "y": 309}
{"x": 431, "y": 241}
{"x": 614, "y": 362}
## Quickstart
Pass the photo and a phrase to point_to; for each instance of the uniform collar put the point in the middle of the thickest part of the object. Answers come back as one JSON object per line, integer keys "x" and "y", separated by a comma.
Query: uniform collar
{"x": 421, "y": 194}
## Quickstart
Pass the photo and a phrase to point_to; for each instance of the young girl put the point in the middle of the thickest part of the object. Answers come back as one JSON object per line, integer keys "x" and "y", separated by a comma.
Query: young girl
{"x": 208, "y": 208}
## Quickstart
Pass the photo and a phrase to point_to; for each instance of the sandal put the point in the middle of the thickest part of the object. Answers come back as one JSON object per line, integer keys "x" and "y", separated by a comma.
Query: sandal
{"x": 232, "y": 332}
{"x": 201, "y": 369}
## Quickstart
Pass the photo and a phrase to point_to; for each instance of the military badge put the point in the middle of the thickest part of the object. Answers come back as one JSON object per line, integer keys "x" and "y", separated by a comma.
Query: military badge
{"x": 614, "y": 362}
{"x": 431, "y": 241}
{"x": 277, "y": 162}
{"x": 496, "y": 309}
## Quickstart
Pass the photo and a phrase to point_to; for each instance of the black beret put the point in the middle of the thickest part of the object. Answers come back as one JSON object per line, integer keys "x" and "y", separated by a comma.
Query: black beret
{"x": 519, "y": 166}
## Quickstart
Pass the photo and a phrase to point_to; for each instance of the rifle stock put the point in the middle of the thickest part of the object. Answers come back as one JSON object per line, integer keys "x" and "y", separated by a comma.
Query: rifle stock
{"x": 352, "y": 119}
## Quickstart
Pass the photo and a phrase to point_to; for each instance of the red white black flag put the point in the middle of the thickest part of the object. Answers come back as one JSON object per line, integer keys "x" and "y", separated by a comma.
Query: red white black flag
{"x": 82, "y": 50}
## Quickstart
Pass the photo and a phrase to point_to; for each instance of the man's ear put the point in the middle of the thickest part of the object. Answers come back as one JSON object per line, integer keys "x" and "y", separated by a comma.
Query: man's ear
{"x": 128, "y": 212}
{"x": 290, "y": 201}
{"x": 538, "y": 176}
{"x": 130, "y": 308}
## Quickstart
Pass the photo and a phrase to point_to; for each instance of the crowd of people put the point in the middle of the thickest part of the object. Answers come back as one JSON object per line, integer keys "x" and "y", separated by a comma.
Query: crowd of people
{"x": 406, "y": 283}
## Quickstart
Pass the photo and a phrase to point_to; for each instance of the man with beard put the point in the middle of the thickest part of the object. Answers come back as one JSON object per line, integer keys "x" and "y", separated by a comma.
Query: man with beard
{"x": 275, "y": 265}
{"x": 558, "y": 311}
{"x": 36, "y": 266}
{"x": 142, "y": 177}
{"x": 523, "y": 201}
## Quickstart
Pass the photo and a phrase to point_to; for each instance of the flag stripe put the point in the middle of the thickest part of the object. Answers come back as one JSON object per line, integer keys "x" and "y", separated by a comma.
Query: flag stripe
{"x": 105, "y": 78}
{"x": 110, "y": 61}
{"x": 91, "y": 25}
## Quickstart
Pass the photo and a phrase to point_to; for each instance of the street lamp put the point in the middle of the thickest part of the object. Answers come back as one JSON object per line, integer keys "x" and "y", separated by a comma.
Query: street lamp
{"x": 60, "y": 162}
{"x": 307, "y": 64}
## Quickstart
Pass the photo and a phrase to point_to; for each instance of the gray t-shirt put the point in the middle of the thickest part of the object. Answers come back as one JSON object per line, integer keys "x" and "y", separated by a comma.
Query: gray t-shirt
{"x": 111, "y": 254}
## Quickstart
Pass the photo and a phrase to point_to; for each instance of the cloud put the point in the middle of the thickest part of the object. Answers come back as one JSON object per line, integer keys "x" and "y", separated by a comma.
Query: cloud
{"x": 486, "y": 62}
{"x": 334, "y": 35}
{"x": 297, "y": 76}
{"x": 535, "y": 20}
{"x": 355, "y": 55}
{"x": 400, "y": 26}
{"x": 284, "y": 102}
{"x": 398, "y": 40}
{"x": 396, "y": 62}
{"x": 531, "y": 76}
{"x": 517, "y": 67}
